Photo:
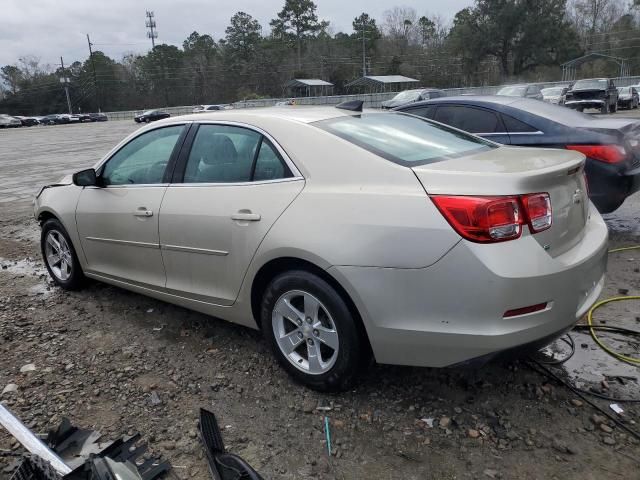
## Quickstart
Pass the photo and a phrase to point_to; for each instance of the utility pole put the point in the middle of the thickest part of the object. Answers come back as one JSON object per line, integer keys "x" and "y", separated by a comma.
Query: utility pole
{"x": 151, "y": 25}
{"x": 95, "y": 79}
{"x": 65, "y": 80}
{"x": 364, "y": 57}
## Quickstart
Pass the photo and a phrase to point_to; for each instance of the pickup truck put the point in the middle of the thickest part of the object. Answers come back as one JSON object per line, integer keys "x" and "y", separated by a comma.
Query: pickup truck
{"x": 600, "y": 93}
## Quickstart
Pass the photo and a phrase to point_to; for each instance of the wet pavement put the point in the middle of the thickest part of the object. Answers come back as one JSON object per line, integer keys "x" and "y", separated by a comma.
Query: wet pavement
{"x": 34, "y": 156}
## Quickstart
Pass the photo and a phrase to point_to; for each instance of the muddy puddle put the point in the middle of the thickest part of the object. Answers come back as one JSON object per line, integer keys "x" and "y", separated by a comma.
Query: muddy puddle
{"x": 592, "y": 368}
{"x": 31, "y": 269}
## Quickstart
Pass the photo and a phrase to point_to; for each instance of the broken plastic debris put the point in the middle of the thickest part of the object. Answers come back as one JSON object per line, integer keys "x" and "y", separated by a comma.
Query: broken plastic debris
{"x": 428, "y": 421}
{"x": 616, "y": 408}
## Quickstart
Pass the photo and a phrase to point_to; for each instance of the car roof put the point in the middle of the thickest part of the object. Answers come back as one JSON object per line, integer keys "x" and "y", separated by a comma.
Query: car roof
{"x": 470, "y": 100}
{"x": 295, "y": 113}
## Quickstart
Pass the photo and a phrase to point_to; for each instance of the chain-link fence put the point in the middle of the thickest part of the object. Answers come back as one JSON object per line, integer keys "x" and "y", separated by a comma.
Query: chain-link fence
{"x": 371, "y": 100}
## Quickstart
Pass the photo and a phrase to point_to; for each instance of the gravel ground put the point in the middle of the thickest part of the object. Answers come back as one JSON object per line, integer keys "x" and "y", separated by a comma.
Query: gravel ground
{"x": 120, "y": 362}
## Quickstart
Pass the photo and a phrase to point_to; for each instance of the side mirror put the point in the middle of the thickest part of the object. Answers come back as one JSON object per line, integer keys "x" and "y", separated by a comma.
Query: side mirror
{"x": 85, "y": 178}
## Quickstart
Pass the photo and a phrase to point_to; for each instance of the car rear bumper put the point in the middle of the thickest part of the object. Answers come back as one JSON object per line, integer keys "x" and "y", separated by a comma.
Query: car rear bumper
{"x": 608, "y": 187}
{"x": 453, "y": 311}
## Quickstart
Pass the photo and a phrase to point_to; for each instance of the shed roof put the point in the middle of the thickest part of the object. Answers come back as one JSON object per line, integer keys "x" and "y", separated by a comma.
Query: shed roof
{"x": 307, "y": 82}
{"x": 377, "y": 80}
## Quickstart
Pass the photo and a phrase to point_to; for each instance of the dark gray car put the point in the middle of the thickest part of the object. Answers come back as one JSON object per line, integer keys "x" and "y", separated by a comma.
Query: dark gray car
{"x": 411, "y": 96}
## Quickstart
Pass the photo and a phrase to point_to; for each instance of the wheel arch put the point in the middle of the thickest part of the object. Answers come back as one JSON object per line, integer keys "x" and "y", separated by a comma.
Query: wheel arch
{"x": 279, "y": 265}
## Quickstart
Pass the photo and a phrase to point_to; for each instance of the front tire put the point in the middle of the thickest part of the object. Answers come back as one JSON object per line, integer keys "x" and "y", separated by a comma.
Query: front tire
{"x": 60, "y": 257}
{"x": 311, "y": 331}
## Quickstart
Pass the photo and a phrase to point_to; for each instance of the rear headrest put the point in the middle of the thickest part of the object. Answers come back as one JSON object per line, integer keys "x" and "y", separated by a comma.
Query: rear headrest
{"x": 218, "y": 149}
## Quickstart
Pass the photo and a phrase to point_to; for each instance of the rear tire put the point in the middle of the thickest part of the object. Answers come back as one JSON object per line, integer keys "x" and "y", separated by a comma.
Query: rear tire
{"x": 60, "y": 257}
{"x": 312, "y": 332}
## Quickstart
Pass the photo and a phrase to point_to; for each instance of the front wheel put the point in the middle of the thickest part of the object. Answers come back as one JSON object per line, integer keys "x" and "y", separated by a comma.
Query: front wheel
{"x": 60, "y": 257}
{"x": 311, "y": 331}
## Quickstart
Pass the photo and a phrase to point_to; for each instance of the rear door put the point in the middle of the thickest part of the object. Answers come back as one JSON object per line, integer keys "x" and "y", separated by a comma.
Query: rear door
{"x": 233, "y": 184}
{"x": 476, "y": 120}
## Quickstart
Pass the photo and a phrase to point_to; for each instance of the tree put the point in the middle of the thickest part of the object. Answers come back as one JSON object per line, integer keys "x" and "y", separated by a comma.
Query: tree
{"x": 200, "y": 52}
{"x": 297, "y": 19}
{"x": 243, "y": 36}
{"x": 520, "y": 34}
{"x": 591, "y": 17}
{"x": 427, "y": 29}
{"x": 11, "y": 76}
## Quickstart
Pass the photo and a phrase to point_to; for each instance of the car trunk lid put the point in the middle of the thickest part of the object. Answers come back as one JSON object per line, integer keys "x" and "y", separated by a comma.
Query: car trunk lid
{"x": 517, "y": 171}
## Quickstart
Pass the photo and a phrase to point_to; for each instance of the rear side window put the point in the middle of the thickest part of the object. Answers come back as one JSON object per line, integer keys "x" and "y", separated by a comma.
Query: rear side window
{"x": 427, "y": 111}
{"x": 469, "y": 119}
{"x": 404, "y": 139}
{"x": 516, "y": 126}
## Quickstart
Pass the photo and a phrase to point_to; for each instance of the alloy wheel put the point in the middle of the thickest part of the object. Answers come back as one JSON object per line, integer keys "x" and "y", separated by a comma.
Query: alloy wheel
{"x": 305, "y": 332}
{"x": 58, "y": 255}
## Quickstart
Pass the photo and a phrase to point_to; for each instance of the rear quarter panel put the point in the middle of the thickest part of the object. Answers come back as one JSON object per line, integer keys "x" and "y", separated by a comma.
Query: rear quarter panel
{"x": 356, "y": 208}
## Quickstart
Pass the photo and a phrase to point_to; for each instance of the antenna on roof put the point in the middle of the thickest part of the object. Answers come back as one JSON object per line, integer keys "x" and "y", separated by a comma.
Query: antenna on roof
{"x": 352, "y": 105}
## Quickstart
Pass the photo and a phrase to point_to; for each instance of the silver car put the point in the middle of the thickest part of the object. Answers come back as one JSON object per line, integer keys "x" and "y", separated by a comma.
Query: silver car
{"x": 341, "y": 234}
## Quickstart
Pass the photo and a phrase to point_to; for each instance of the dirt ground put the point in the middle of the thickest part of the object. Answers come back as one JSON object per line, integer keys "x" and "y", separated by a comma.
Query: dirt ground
{"x": 120, "y": 363}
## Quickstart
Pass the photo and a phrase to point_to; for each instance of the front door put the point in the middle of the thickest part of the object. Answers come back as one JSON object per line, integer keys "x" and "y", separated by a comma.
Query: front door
{"x": 234, "y": 187}
{"x": 118, "y": 221}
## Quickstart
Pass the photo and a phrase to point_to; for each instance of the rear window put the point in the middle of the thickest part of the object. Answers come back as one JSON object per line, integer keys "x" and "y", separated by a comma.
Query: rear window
{"x": 404, "y": 139}
{"x": 591, "y": 84}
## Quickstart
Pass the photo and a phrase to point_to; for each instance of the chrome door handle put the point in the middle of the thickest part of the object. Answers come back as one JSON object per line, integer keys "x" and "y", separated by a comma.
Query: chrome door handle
{"x": 143, "y": 212}
{"x": 246, "y": 216}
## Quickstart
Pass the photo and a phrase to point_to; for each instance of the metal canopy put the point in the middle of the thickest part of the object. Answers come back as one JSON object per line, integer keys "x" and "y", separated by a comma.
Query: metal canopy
{"x": 307, "y": 82}
{"x": 381, "y": 82}
{"x": 570, "y": 68}
{"x": 306, "y": 87}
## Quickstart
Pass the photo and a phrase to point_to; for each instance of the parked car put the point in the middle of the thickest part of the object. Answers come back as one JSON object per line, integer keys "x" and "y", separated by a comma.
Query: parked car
{"x": 555, "y": 95}
{"x": 210, "y": 108}
{"x": 98, "y": 117}
{"x": 338, "y": 233}
{"x": 53, "y": 119}
{"x": 415, "y": 95}
{"x": 600, "y": 93}
{"x": 611, "y": 145}
{"x": 7, "y": 121}
{"x": 628, "y": 97}
{"x": 524, "y": 90}
{"x": 151, "y": 116}
{"x": 27, "y": 121}
{"x": 69, "y": 118}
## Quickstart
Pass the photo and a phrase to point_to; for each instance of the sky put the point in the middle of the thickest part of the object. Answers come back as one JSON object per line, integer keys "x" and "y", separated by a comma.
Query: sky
{"x": 49, "y": 29}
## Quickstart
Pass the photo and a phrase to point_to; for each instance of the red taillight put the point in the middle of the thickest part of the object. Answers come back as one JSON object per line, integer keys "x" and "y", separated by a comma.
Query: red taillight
{"x": 495, "y": 219}
{"x": 482, "y": 219}
{"x": 538, "y": 209}
{"x": 602, "y": 153}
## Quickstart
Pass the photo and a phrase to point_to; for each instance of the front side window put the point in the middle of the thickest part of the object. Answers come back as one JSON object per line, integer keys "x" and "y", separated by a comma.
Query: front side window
{"x": 229, "y": 154}
{"x": 404, "y": 139}
{"x": 473, "y": 120}
{"x": 426, "y": 111}
{"x": 143, "y": 160}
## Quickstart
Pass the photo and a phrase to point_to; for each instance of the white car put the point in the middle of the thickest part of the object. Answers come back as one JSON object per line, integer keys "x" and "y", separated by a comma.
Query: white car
{"x": 7, "y": 121}
{"x": 210, "y": 108}
{"x": 340, "y": 233}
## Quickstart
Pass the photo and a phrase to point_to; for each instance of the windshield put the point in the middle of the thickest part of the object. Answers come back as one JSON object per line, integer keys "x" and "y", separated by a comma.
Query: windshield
{"x": 407, "y": 96}
{"x": 590, "y": 84}
{"x": 404, "y": 139}
{"x": 515, "y": 91}
{"x": 626, "y": 90}
{"x": 148, "y": 112}
{"x": 552, "y": 92}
